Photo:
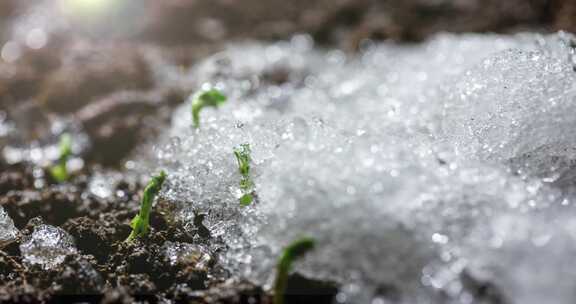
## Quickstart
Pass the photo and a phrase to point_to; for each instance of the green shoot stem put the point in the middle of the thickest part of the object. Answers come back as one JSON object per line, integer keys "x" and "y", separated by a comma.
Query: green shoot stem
{"x": 291, "y": 253}
{"x": 141, "y": 222}
{"x": 242, "y": 154}
{"x": 59, "y": 171}
{"x": 206, "y": 98}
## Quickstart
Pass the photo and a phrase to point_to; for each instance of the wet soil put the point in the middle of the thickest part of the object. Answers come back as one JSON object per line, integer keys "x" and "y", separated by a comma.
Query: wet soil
{"x": 344, "y": 23}
{"x": 109, "y": 270}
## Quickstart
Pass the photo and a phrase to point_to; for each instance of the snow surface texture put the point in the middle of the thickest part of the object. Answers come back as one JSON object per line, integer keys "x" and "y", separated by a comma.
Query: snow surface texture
{"x": 8, "y": 232}
{"x": 433, "y": 173}
{"x": 47, "y": 247}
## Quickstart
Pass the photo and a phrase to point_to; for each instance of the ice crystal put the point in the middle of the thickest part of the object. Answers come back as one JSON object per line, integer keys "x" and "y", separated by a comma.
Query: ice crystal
{"x": 47, "y": 246}
{"x": 8, "y": 232}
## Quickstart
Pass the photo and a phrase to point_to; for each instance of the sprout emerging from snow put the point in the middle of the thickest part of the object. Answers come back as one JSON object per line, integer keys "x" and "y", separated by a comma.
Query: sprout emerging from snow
{"x": 205, "y": 98}
{"x": 141, "y": 222}
{"x": 242, "y": 154}
{"x": 292, "y": 252}
{"x": 59, "y": 171}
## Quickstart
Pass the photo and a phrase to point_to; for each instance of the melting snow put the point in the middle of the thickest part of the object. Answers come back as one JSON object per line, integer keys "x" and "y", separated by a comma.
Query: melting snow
{"x": 48, "y": 247}
{"x": 425, "y": 169}
{"x": 8, "y": 232}
{"x": 184, "y": 253}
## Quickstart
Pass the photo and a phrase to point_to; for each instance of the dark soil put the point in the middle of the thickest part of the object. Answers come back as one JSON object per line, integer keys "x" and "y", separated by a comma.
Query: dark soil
{"x": 102, "y": 78}
{"x": 344, "y": 23}
{"x": 109, "y": 270}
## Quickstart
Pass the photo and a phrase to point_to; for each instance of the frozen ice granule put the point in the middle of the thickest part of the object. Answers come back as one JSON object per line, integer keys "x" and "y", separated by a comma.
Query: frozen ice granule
{"x": 8, "y": 231}
{"x": 184, "y": 253}
{"x": 48, "y": 246}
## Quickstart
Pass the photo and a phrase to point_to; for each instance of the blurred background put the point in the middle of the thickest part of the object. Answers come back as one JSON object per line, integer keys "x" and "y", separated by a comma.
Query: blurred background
{"x": 110, "y": 67}
{"x": 338, "y": 22}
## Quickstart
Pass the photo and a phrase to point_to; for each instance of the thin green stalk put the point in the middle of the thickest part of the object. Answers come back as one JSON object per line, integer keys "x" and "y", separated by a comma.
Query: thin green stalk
{"x": 141, "y": 222}
{"x": 206, "y": 98}
{"x": 291, "y": 253}
{"x": 243, "y": 158}
{"x": 59, "y": 171}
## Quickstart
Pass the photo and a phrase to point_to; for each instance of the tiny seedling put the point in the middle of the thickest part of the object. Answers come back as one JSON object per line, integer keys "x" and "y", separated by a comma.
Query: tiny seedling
{"x": 291, "y": 253}
{"x": 205, "y": 98}
{"x": 141, "y": 222}
{"x": 59, "y": 171}
{"x": 242, "y": 154}
{"x": 243, "y": 158}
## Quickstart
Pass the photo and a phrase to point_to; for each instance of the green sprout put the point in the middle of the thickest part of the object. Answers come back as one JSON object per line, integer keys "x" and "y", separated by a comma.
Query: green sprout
{"x": 59, "y": 171}
{"x": 246, "y": 199}
{"x": 141, "y": 222}
{"x": 296, "y": 250}
{"x": 205, "y": 98}
{"x": 242, "y": 154}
